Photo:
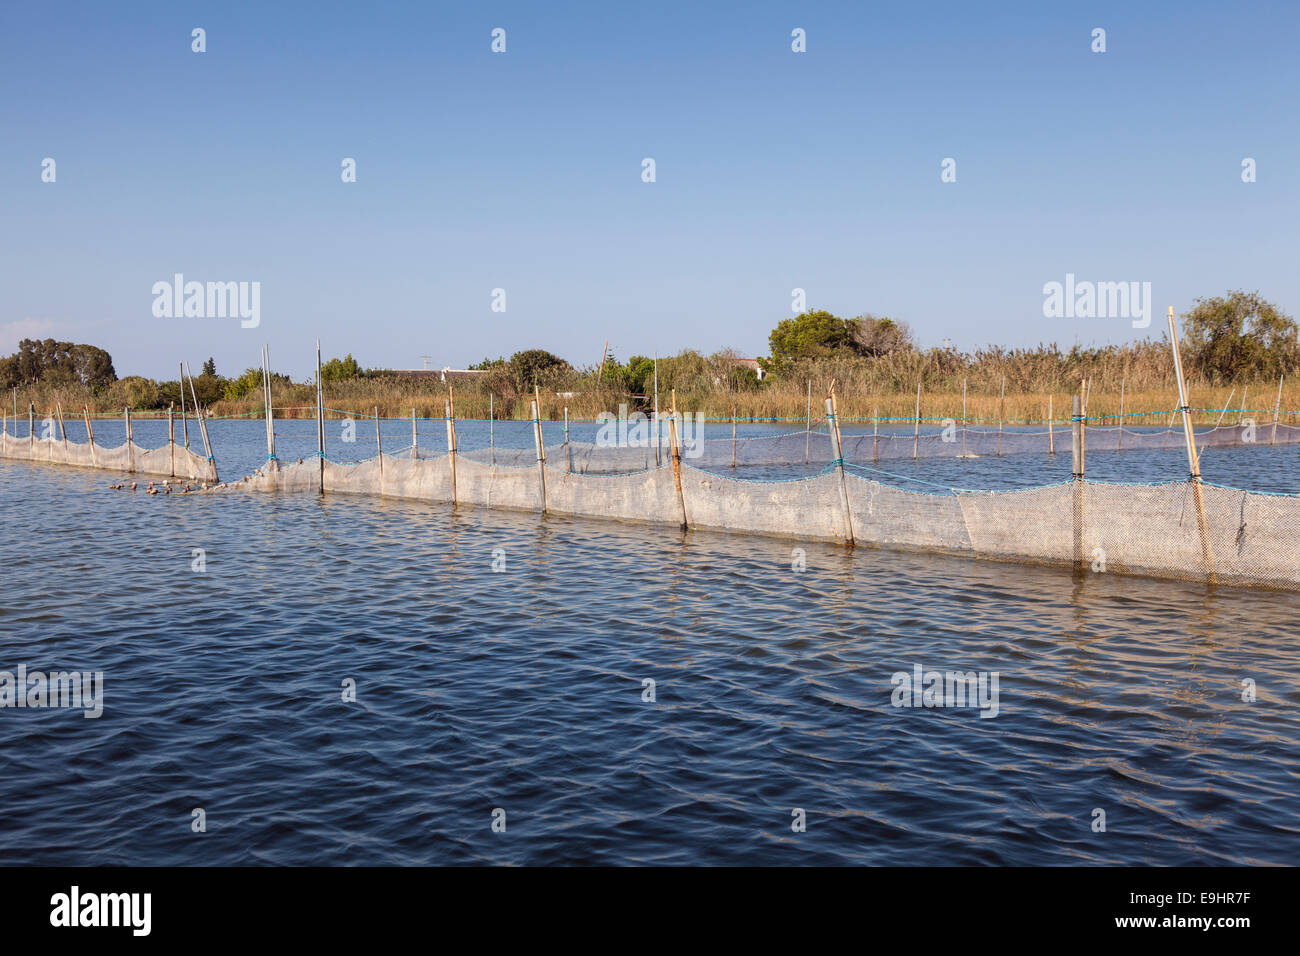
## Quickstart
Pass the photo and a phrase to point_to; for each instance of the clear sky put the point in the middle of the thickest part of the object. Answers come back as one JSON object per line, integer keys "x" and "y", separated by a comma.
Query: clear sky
{"x": 523, "y": 171}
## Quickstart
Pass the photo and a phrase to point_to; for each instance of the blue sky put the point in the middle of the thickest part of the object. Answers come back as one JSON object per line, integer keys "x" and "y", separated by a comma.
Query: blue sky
{"x": 522, "y": 171}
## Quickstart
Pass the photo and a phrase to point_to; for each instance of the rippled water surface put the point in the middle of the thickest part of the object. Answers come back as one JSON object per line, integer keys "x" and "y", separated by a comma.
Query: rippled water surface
{"x": 522, "y": 689}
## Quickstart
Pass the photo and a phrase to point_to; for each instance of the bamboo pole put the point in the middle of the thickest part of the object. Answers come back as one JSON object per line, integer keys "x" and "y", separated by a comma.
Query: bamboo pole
{"x": 171, "y": 439}
{"x": 1002, "y": 413}
{"x": 963, "y": 418}
{"x": 1120, "y": 438}
{"x": 916, "y": 434}
{"x": 1277, "y": 410}
{"x": 130, "y": 441}
{"x": 379, "y": 450}
{"x": 31, "y": 430}
{"x": 270, "y": 411}
{"x": 415, "y": 438}
{"x": 1225, "y": 408}
{"x": 1051, "y": 435}
{"x": 451, "y": 442}
{"x": 540, "y": 445}
{"x": 320, "y": 424}
{"x": 1076, "y": 478}
{"x": 203, "y": 425}
{"x": 733, "y": 436}
{"x": 658, "y": 438}
{"x": 1242, "y": 411}
{"x": 1083, "y": 424}
{"x": 90, "y": 436}
{"x": 837, "y": 448}
{"x": 568, "y": 448}
{"x": 1193, "y": 463}
{"x": 492, "y": 423}
{"x": 185, "y": 426}
{"x": 807, "y": 433}
{"x": 875, "y": 433}
{"x": 676, "y": 453}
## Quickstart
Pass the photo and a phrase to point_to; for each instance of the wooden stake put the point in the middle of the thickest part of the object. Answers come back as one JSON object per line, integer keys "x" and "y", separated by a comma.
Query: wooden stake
{"x": 1277, "y": 410}
{"x": 379, "y": 450}
{"x": 658, "y": 433}
{"x": 1051, "y": 436}
{"x": 171, "y": 438}
{"x": 677, "y": 458}
{"x": 270, "y": 410}
{"x": 320, "y": 424}
{"x": 1242, "y": 411}
{"x": 733, "y": 436}
{"x": 58, "y": 408}
{"x": 837, "y": 448}
{"x": 203, "y": 424}
{"x": 875, "y": 433}
{"x": 807, "y": 439}
{"x": 185, "y": 428}
{"x": 31, "y": 430}
{"x": 1120, "y": 443}
{"x": 541, "y": 447}
{"x": 916, "y": 434}
{"x": 451, "y": 443}
{"x": 90, "y": 435}
{"x": 963, "y": 418}
{"x": 1193, "y": 463}
{"x": 1225, "y": 408}
{"x": 415, "y": 438}
{"x": 1077, "y": 479}
{"x": 130, "y": 443}
{"x": 568, "y": 448}
{"x": 1002, "y": 413}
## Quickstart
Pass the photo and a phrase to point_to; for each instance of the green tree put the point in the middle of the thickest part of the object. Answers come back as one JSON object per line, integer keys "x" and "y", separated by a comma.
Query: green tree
{"x": 1240, "y": 335}
{"x": 341, "y": 369}
{"x": 534, "y": 366}
{"x": 210, "y": 367}
{"x": 806, "y": 336}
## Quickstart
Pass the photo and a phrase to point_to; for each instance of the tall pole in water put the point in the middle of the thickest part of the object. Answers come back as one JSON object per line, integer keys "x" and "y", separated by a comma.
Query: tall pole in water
{"x": 203, "y": 426}
{"x": 451, "y": 440}
{"x": 1051, "y": 436}
{"x": 807, "y": 428}
{"x": 185, "y": 426}
{"x": 1076, "y": 477}
{"x": 1120, "y": 443}
{"x": 658, "y": 441}
{"x": 675, "y": 450}
{"x": 837, "y": 449}
{"x": 320, "y": 423}
{"x": 1193, "y": 462}
{"x": 1277, "y": 410}
{"x": 539, "y": 444}
{"x": 916, "y": 435}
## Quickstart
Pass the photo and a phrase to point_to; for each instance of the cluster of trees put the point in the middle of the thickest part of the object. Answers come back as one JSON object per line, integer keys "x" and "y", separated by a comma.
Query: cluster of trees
{"x": 56, "y": 363}
{"x": 1234, "y": 337}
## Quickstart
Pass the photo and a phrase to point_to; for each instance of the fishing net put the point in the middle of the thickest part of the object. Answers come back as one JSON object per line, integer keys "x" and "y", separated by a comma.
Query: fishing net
{"x": 172, "y": 460}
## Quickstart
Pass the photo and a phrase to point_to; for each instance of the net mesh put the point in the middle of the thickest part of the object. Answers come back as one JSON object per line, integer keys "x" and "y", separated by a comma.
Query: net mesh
{"x": 1184, "y": 530}
{"x": 1233, "y": 536}
{"x": 813, "y": 446}
{"x": 171, "y": 460}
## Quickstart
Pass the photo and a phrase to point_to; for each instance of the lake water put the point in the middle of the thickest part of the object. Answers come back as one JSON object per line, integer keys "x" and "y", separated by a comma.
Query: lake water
{"x": 521, "y": 689}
